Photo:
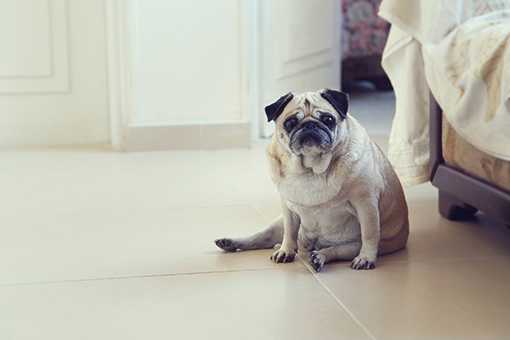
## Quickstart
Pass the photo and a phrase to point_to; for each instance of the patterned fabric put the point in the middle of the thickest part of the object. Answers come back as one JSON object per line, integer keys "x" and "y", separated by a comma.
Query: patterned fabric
{"x": 363, "y": 31}
{"x": 488, "y": 6}
{"x": 458, "y": 152}
{"x": 459, "y": 49}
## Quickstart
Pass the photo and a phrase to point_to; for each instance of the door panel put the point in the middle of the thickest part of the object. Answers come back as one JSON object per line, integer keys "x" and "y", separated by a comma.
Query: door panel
{"x": 33, "y": 41}
{"x": 53, "y": 76}
{"x": 299, "y": 49}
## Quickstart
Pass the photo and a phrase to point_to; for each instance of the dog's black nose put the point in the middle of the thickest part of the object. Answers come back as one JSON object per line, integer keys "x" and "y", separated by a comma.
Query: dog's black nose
{"x": 311, "y": 125}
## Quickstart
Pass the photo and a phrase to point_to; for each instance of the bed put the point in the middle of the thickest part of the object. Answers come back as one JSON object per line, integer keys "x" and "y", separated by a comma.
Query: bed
{"x": 449, "y": 63}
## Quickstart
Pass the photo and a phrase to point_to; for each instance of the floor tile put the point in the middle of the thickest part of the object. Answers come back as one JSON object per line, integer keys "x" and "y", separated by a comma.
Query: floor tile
{"x": 421, "y": 192}
{"x": 262, "y": 304}
{"x": 373, "y": 109}
{"x": 60, "y": 181}
{"x": 433, "y": 237}
{"x": 458, "y": 299}
{"x": 248, "y": 172}
{"x": 104, "y": 245}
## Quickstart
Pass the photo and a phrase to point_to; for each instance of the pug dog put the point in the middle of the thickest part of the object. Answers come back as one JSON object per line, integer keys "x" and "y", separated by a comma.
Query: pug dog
{"x": 340, "y": 197}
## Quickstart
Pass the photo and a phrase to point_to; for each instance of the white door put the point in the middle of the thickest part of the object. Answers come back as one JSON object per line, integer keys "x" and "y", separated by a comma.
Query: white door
{"x": 53, "y": 72}
{"x": 294, "y": 46}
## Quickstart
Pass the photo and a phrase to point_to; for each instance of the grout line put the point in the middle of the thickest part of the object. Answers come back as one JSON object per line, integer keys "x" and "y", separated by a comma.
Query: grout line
{"x": 498, "y": 257}
{"x": 345, "y": 308}
{"x": 316, "y": 276}
{"x": 136, "y": 277}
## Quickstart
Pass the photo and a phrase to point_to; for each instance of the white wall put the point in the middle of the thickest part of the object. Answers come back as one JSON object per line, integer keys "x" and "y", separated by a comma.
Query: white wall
{"x": 187, "y": 60}
{"x": 189, "y": 69}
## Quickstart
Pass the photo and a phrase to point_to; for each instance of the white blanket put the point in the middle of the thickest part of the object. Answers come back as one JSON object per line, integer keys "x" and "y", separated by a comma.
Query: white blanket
{"x": 460, "y": 49}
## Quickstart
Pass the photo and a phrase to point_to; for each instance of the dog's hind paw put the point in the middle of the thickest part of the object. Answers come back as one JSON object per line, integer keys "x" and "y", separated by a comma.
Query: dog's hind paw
{"x": 316, "y": 260}
{"x": 362, "y": 263}
{"x": 226, "y": 244}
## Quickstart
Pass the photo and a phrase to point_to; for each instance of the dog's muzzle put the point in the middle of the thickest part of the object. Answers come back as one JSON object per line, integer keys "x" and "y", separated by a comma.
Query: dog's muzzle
{"x": 310, "y": 134}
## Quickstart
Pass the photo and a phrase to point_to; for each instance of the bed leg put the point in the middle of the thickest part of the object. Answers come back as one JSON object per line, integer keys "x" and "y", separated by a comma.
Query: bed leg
{"x": 454, "y": 209}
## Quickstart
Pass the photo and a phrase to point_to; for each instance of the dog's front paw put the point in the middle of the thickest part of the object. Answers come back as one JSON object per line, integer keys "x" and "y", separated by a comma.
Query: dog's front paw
{"x": 284, "y": 256}
{"x": 226, "y": 244}
{"x": 362, "y": 262}
{"x": 316, "y": 260}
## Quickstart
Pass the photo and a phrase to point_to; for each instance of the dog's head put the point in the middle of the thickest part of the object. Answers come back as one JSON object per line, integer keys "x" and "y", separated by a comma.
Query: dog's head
{"x": 310, "y": 123}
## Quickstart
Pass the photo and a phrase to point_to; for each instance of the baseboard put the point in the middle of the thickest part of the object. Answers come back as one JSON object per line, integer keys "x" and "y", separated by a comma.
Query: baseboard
{"x": 205, "y": 136}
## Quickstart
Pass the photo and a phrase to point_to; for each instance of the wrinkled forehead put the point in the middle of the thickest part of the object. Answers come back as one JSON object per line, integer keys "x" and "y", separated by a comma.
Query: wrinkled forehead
{"x": 308, "y": 102}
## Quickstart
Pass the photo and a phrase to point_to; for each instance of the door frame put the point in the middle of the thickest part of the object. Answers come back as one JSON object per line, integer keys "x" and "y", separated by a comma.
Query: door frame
{"x": 119, "y": 60}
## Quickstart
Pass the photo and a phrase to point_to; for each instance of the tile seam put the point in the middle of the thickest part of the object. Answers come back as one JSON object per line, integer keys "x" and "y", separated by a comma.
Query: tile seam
{"x": 21, "y": 284}
{"x": 337, "y": 300}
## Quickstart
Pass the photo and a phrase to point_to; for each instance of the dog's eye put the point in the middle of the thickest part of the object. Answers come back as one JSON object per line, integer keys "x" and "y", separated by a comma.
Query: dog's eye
{"x": 328, "y": 120}
{"x": 290, "y": 124}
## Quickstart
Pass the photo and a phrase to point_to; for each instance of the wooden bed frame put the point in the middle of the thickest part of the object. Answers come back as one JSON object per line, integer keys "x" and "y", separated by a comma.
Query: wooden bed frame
{"x": 461, "y": 194}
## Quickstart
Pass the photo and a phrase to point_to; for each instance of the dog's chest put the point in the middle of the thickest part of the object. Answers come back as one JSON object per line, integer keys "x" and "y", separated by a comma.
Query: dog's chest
{"x": 307, "y": 189}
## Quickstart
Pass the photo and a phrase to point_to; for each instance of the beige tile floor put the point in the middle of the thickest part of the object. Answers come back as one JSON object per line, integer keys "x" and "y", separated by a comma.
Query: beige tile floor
{"x": 102, "y": 245}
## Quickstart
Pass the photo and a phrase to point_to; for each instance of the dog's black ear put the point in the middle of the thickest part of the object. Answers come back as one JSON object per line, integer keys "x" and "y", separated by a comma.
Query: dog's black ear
{"x": 339, "y": 100}
{"x": 274, "y": 110}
